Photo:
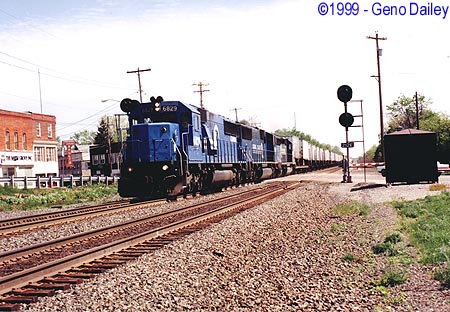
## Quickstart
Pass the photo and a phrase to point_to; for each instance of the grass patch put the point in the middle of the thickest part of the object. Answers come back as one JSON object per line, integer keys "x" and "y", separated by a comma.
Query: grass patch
{"x": 427, "y": 223}
{"x": 388, "y": 246}
{"x": 41, "y": 198}
{"x": 352, "y": 208}
{"x": 428, "y": 226}
{"x": 391, "y": 277}
{"x": 349, "y": 257}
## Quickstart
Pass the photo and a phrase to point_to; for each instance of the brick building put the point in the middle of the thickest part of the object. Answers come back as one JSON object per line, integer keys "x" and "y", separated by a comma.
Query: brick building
{"x": 28, "y": 144}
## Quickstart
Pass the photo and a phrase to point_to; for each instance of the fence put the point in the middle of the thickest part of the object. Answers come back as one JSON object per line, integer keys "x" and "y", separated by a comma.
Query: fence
{"x": 43, "y": 182}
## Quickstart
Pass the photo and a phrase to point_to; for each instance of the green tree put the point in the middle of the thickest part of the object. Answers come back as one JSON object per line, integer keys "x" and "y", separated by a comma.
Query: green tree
{"x": 84, "y": 137}
{"x": 308, "y": 138}
{"x": 403, "y": 112}
{"x": 439, "y": 123}
{"x": 103, "y": 136}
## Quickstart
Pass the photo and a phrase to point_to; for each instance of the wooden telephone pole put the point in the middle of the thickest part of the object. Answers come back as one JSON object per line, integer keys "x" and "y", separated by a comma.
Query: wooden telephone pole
{"x": 376, "y": 38}
{"x": 201, "y": 85}
{"x": 139, "y": 71}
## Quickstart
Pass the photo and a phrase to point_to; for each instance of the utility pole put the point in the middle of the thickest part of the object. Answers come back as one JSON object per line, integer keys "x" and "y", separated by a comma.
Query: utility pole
{"x": 295, "y": 122}
{"x": 376, "y": 38}
{"x": 139, "y": 71}
{"x": 40, "y": 91}
{"x": 417, "y": 111}
{"x": 201, "y": 85}
{"x": 235, "y": 112}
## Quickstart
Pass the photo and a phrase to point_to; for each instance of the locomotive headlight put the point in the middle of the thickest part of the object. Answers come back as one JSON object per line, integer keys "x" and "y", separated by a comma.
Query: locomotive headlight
{"x": 130, "y": 169}
{"x": 163, "y": 130}
{"x": 157, "y": 107}
{"x": 165, "y": 167}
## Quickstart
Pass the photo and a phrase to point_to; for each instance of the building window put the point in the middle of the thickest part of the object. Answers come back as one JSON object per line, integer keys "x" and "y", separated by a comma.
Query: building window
{"x": 39, "y": 153}
{"x": 24, "y": 141}
{"x": 7, "y": 142}
{"x": 102, "y": 159}
{"x": 95, "y": 160}
{"x": 16, "y": 141}
{"x": 50, "y": 130}
{"x": 50, "y": 154}
{"x": 38, "y": 129}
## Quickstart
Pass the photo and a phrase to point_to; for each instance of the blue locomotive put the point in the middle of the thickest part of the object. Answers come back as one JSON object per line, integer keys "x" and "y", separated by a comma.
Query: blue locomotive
{"x": 174, "y": 148}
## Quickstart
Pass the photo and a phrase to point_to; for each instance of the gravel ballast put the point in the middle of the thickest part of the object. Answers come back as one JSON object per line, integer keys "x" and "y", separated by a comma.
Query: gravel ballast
{"x": 285, "y": 255}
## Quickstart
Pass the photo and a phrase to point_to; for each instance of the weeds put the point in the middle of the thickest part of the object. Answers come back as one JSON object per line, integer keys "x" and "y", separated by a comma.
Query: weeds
{"x": 391, "y": 277}
{"x": 349, "y": 257}
{"x": 388, "y": 246}
{"x": 352, "y": 208}
{"x": 38, "y": 198}
{"x": 427, "y": 223}
{"x": 443, "y": 276}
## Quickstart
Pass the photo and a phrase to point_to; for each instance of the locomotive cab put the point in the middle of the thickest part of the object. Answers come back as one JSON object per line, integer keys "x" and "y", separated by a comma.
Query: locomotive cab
{"x": 153, "y": 154}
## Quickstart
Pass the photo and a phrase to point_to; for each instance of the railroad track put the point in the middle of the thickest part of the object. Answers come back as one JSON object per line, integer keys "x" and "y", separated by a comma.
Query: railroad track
{"x": 106, "y": 248}
{"x": 27, "y": 223}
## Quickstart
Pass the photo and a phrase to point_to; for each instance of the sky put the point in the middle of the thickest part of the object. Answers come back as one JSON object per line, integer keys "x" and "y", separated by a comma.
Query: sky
{"x": 278, "y": 63}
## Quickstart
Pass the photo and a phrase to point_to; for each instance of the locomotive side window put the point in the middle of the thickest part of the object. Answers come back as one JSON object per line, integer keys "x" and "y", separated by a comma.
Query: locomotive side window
{"x": 196, "y": 123}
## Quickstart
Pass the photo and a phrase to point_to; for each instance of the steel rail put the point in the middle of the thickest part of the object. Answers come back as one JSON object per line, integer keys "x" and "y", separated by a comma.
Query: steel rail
{"x": 23, "y": 278}
{"x": 27, "y": 251}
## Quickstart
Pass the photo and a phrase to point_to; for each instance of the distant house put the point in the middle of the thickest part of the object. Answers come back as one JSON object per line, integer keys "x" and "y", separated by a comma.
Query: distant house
{"x": 105, "y": 160}
{"x": 74, "y": 159}
{"x": 28, "y": 144}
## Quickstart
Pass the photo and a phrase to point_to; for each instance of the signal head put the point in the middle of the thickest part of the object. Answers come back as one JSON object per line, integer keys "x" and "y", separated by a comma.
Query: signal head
{"x": 344, "y": 93}
{"x": 127, "y": 105}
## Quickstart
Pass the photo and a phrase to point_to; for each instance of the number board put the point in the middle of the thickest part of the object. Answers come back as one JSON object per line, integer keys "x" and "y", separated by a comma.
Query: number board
{"x": 169, "y": 108}
{"x": 349, "y": 144}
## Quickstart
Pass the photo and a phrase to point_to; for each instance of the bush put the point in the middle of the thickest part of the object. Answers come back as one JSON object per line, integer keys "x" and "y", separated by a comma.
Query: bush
{"x": 393, "y": 238}
{"x": 380, "y": 248}
{"x": 392, "y": 278}
{"x": 443, "y": 276}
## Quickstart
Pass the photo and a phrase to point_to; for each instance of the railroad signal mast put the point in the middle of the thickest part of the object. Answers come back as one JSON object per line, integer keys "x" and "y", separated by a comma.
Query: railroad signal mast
{"x": 344, "y": 94}
{"x": 201, "y": 90}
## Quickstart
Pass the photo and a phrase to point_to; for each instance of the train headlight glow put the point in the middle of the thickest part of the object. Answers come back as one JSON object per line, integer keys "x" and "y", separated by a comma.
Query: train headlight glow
{"x": 130, "y": 169}
{"x": 157, "y": 107}
{"x": 165, "y": 167}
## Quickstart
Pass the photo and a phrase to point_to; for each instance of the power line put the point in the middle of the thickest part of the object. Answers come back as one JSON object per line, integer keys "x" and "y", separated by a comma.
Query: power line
{"x": 73, "y": 78}
{"x": 29, "y": 25}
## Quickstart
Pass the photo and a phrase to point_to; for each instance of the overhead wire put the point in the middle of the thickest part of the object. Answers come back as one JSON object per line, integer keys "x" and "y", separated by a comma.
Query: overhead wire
{"x": 76, "y": 79}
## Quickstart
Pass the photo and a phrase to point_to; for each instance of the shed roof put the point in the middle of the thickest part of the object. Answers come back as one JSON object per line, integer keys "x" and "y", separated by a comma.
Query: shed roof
{"x": 410, "y": 132}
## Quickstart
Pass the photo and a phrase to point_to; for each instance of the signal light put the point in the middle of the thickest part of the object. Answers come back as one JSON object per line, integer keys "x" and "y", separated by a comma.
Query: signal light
{"x": 344, "y": 93}
{"x": 127, "y": 105}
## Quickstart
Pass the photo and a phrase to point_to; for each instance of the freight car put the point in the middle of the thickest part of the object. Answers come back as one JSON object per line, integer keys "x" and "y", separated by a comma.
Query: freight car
{"x": 174, "y": 147}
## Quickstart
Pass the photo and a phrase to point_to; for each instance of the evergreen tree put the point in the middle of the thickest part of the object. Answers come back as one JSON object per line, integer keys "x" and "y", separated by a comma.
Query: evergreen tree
{"x": 103, "y": 136}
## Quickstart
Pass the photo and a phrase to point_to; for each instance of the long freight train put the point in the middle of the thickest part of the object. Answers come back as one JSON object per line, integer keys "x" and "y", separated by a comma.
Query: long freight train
{"x": 174, "y": 148}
